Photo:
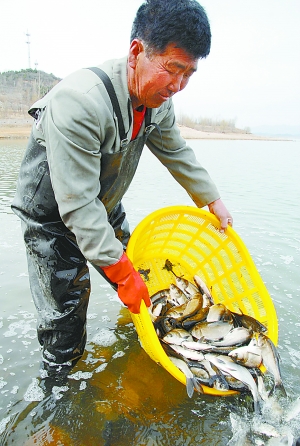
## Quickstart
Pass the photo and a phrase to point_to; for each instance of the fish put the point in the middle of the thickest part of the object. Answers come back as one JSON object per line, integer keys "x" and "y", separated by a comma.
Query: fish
{"x": 249, "y": 322}
{"x": 239, "y": 372}
{"x": 218, "y": 312}
{"x": 200, "y": 316}
{"x": 191, "y": 382}
{"x": 163, "y": 325}
{"x": 294, "y": 410}
{"x": 203, "y": 288}
{"x": 177, "y": 336}
{"x": 187, "y": 353}
{"x": 211, "y": 343}
{"x": 211, "y": 331}
{"x": 206, "y": 346}
{"x": 236, "y": 336}
{"x": 177, "y": 296}
{"x": 188, "y": 288}
{"x": 187, "y": 309}
{"x": 205, "y": 371}
{"x": 270, "y": 359}
{"x": 248, "y": 355}
{"x": 160, "y": 296}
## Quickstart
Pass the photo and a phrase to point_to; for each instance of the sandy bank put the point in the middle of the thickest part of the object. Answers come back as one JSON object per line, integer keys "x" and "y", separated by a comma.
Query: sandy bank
{"x": 12, "y": 130}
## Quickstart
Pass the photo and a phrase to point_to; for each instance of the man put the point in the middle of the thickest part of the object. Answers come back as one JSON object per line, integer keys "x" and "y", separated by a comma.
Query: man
{"x": 88, "y": 135}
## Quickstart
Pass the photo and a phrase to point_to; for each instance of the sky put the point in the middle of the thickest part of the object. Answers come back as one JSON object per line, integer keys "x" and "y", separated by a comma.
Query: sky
{"x": 251, "y": 75}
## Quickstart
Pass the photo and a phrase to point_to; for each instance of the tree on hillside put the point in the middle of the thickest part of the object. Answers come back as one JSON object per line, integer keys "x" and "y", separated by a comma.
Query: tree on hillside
{"x": 20, "y": 89}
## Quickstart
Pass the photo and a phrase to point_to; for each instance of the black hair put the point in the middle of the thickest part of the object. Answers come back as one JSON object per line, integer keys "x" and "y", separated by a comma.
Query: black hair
{"x": 183, "y": 22}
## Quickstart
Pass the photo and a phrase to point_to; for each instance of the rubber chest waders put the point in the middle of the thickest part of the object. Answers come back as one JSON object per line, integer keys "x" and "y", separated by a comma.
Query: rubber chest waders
{"x": 58, "y": 272}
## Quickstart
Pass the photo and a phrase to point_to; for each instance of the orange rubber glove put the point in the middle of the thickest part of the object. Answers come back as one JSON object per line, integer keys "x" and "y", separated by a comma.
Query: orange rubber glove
{"x": 131, "y": 288}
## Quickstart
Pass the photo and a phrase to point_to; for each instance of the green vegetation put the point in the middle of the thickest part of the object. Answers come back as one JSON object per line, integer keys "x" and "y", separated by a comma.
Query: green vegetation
{"x": 211, "y": 125}
{"x": 20, "y": 89}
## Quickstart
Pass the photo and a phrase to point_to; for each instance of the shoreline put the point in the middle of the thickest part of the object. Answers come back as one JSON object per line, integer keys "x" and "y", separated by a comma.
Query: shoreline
{"x": 22, "y": 131}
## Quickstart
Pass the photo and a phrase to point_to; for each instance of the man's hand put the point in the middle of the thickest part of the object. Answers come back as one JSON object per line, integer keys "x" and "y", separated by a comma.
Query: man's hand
{"x": 131, "y": 288}
{"x": 219, "y": 210}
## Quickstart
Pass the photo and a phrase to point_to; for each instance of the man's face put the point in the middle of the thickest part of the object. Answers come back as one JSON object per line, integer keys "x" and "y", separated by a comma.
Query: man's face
{"x": 153, "y": 80}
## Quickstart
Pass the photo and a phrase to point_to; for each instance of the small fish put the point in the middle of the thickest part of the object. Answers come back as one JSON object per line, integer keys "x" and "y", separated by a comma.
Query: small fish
{"x": 145, "y": 273}
{"x": 235, "y": 384}
{"x": 236, "y": 336}
{"x": 203, "y": 288}
{"x": 247, "y": 355}
{"x": 199, "y": 346}
{"x": 187, "y": 353}
{"x": 191, "y": 382}
{"x": 239, "y": 372}
{"x": 270, "y": 359}
{"x": 249, "y": 322}
{"x": 207, "y": 302}
{"x": 177, "y": 297}
{"x": 218, "y": 312}
{"x": 211, "y": 331}
{"x": 188, "y": 288}
{"x": 188, "y": 309}
{"x": 160, "y": 296}
{"x": 204, "y": 346}
{"x": 200, "y": 316}
{"x": 294, "y": 410}
{"x": 177, "y": 336}
{"x": 266, "y": 429}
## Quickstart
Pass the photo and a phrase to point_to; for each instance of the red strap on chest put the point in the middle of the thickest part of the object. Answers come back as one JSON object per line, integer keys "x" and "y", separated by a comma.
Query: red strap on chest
{"x": 138, "y": 118}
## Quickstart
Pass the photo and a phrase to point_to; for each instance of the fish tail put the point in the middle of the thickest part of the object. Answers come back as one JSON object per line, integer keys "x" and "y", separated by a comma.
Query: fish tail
{"x": 257, "y": 408}
{"x": 197, "y": 386}
{"x": 190, "y": 386}
{"x": 278, "y": 389}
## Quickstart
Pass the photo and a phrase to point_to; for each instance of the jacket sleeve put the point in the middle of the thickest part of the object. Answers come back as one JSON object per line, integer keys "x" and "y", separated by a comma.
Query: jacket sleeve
{"x": 172, "y": 151}
{"x": 73, "y": 138}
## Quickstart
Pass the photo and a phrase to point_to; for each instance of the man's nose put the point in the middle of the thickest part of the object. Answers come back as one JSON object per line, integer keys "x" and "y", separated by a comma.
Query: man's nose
{"x": 175, "y": 85}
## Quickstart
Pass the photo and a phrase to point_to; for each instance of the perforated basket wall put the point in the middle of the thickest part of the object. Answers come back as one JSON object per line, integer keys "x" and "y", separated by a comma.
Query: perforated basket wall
{"x": 189, "y": 237}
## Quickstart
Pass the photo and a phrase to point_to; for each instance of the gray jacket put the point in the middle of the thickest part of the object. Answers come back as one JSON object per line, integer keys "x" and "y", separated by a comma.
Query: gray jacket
{"x": 76, "y": 123}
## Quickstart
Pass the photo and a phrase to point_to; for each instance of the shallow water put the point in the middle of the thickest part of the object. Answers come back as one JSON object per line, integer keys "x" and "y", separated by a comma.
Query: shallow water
{"x": 116, "y": 395}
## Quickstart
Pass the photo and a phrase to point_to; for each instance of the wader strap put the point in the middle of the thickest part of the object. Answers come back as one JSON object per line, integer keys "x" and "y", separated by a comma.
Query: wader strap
{"x": 113, "y": 97}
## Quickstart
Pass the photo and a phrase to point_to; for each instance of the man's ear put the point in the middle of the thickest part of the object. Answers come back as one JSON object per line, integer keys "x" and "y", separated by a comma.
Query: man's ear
{"x": 136, "y": 47}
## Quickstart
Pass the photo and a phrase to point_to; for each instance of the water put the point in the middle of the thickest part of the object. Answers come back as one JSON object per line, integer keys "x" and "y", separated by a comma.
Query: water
{"x": 116, "y": 395}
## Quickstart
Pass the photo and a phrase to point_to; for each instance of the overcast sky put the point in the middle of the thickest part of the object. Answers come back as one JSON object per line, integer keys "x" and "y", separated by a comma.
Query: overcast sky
{"x": 251, "y": 75}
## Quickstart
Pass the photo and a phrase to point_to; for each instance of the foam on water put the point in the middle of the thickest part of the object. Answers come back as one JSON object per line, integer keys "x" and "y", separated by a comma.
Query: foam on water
{"x": 3, "y": 424}
{"x": 34, "y": 392}
{"x": 80, "y": 375}
{"x": 105, "y": 338}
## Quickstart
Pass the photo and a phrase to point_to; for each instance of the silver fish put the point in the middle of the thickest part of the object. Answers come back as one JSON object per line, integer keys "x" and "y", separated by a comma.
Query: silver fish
{"x": 177, "y": 336}
{"x": 191, "y": 382}
{"x": 239, "y": 372}
{"x": 199, "y": 346}
{"x": 188, "y": 309}
{"x": 177, "y": 297}
{"x": 270, "y": 359}
{"x": 203, "y": 288}
{"x": 212, "y": 331}
{"x": 218, "y": 312}
{"x": 238, "y": 335}
{"x": 187, "y": 353}
{"x": 247, "y": 355}
{"x": 188, "y": 288}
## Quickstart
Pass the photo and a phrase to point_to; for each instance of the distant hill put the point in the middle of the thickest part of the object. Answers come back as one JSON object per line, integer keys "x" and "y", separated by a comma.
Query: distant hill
{"x": 20, "y": 89}
{"x": 278, "y": 130}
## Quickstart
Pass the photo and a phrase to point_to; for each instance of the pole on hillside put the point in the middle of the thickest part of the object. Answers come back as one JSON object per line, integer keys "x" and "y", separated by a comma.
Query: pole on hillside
{"x": 28, "y": 43}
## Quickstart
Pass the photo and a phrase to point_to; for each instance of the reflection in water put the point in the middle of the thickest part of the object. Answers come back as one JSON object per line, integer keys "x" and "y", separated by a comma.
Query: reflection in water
{"x": 11, "y": 154}
{"x": 116, "y": 395}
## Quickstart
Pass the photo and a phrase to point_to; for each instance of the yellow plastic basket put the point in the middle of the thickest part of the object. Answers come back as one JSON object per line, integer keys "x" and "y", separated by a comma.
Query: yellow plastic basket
{"x": 189, "y": 237}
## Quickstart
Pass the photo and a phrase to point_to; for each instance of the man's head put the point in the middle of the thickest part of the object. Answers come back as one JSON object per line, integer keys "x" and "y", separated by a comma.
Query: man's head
{"x": 161, "y": 22}
{"x": 168, "y": 37}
